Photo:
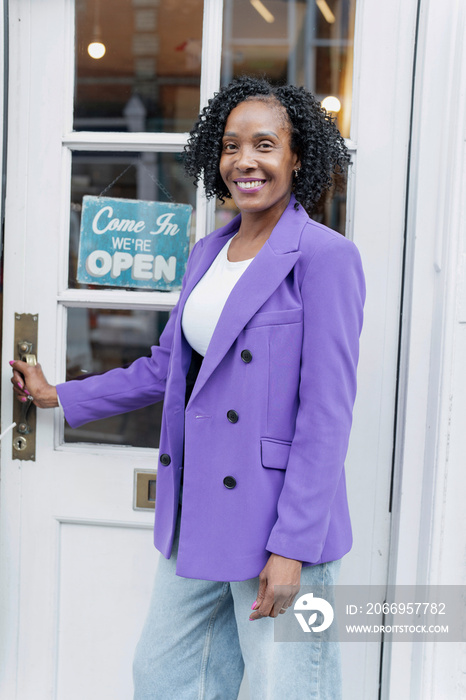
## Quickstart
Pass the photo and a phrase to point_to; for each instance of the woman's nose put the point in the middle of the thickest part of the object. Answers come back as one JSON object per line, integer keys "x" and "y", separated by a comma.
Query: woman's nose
{"x": 246, "y": 159}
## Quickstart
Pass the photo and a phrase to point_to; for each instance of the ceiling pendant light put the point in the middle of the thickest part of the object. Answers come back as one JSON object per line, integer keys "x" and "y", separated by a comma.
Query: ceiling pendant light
{"x": 331, "y": 104}
{"x": 96, "y": 48}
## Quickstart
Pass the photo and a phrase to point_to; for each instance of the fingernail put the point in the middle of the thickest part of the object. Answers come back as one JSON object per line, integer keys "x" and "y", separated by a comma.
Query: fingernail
{"x": 20, "y": 385}
{"x": 26, "y": 392}
{"x": 12, "y": 362}
{"x": 251, "y": 619}
{"x": 253, "y": 606}
{"x": 23, "y": 398}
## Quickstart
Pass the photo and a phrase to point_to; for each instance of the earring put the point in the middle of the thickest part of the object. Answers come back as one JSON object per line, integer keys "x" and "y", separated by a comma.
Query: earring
{"x": 296, "y": 172}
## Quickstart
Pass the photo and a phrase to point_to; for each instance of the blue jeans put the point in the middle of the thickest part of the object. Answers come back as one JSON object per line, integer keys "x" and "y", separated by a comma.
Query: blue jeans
{"x": 197, "y": 639}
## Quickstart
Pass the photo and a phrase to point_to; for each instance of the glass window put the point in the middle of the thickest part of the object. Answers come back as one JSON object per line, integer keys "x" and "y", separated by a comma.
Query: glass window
{"x": 330, "y": 210}
{"x": 302, "y": 42}
{"x": 138, "y": 64}
{"x": 146, "y": 176}
{"x": 99, "y": 340}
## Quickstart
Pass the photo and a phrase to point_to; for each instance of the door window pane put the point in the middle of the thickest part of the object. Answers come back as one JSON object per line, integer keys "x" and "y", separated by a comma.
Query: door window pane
{"x": 149, "y": 76}
{"x": 146, "y": 176}
{"x": 301, "y": 42}
{"x": 99, "y": 340}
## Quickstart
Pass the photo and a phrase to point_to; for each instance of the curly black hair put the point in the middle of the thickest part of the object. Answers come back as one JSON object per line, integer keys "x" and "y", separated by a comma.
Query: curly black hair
{"x": 314, "y": 137}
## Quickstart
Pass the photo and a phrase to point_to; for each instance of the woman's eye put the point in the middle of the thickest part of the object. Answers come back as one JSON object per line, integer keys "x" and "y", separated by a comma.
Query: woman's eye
{"x": 264, "y": 145}
{"x": 229, "y": 146}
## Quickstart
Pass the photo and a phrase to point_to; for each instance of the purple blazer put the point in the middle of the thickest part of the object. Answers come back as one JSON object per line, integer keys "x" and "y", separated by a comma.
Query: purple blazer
{"x": 265, "y": 431}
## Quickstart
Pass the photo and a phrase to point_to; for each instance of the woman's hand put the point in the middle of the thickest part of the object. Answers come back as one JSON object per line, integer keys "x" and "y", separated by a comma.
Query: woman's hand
{"x": 29, "y": 382}
{"x": 279, "y": 571}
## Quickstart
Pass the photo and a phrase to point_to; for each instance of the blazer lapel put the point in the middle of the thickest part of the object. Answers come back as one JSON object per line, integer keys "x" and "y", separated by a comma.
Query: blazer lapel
{"x": 269, "y": 268}
{"x": 212, "y": 247}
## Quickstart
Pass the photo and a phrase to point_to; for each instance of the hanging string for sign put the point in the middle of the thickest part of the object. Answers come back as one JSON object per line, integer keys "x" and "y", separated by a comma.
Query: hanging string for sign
{"x": 109, "y": 187}
{"x": 135, "y": 164}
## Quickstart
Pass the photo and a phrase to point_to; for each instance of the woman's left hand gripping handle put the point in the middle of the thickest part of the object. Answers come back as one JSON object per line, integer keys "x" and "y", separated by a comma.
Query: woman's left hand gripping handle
{"x": 30, "y": 384}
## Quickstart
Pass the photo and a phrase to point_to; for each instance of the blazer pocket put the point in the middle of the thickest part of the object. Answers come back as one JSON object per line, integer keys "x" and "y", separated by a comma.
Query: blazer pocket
{"x": 275, "y": 453}
{"x": 281, "y": 317}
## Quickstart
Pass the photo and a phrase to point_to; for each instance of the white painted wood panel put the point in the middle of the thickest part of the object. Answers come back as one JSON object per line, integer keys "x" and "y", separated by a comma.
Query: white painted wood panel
{"x": 384, "y": 46}
{"x": 103, "y": 574}
{"x": 429, "y": 533}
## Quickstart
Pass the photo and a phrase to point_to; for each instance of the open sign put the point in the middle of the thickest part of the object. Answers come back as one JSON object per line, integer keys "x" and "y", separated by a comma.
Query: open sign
{"x": 133, "y": 244}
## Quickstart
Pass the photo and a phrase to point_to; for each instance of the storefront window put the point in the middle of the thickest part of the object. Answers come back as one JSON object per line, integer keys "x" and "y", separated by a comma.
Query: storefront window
{"x": 99, "y": 340}
{"x": 302, "y": 42}
{"x": 149, "y": 76}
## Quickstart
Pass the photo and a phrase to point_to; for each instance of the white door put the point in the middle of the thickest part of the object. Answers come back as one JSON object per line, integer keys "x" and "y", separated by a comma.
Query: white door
{"x": 77, "y": 559}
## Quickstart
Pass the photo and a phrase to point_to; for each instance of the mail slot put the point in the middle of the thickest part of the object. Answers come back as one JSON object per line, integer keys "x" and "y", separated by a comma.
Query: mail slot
{"x": 144, "y": 489}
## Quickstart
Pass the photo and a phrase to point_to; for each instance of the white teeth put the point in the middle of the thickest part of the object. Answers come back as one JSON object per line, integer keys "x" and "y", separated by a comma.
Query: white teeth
{"x": 249, "y": 185}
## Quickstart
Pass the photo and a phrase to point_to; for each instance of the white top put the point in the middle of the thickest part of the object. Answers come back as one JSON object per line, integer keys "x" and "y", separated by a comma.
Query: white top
{"x": 205, "y": 303}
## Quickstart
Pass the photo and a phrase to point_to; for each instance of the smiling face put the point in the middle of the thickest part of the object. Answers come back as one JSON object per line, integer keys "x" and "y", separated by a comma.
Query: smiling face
{"x": 257, "y": 162}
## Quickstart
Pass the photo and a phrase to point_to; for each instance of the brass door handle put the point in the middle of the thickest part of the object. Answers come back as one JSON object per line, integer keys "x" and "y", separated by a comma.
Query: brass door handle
{"x": 25, "y": 354}
{"x": 23, "y": 427}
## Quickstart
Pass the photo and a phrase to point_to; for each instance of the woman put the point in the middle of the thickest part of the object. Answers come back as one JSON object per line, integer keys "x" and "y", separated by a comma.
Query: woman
{"x": 257, "y": 368}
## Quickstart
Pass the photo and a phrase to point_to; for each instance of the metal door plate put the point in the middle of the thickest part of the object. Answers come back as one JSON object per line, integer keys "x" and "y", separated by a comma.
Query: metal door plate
{"x": 144, "y": 489}
{"x": 24, "y": 444}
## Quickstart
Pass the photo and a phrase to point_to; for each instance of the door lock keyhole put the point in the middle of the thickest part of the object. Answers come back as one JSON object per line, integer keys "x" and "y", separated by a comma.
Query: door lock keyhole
{"x": 20, "y": 443}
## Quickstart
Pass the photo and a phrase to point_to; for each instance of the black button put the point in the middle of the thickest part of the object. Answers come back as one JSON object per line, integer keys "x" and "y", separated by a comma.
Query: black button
{"x": 229, "y": 482}
{"x": 232, "y": 416}
{"x": 165, "y": 459}
{"x": 246, "y": 356}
